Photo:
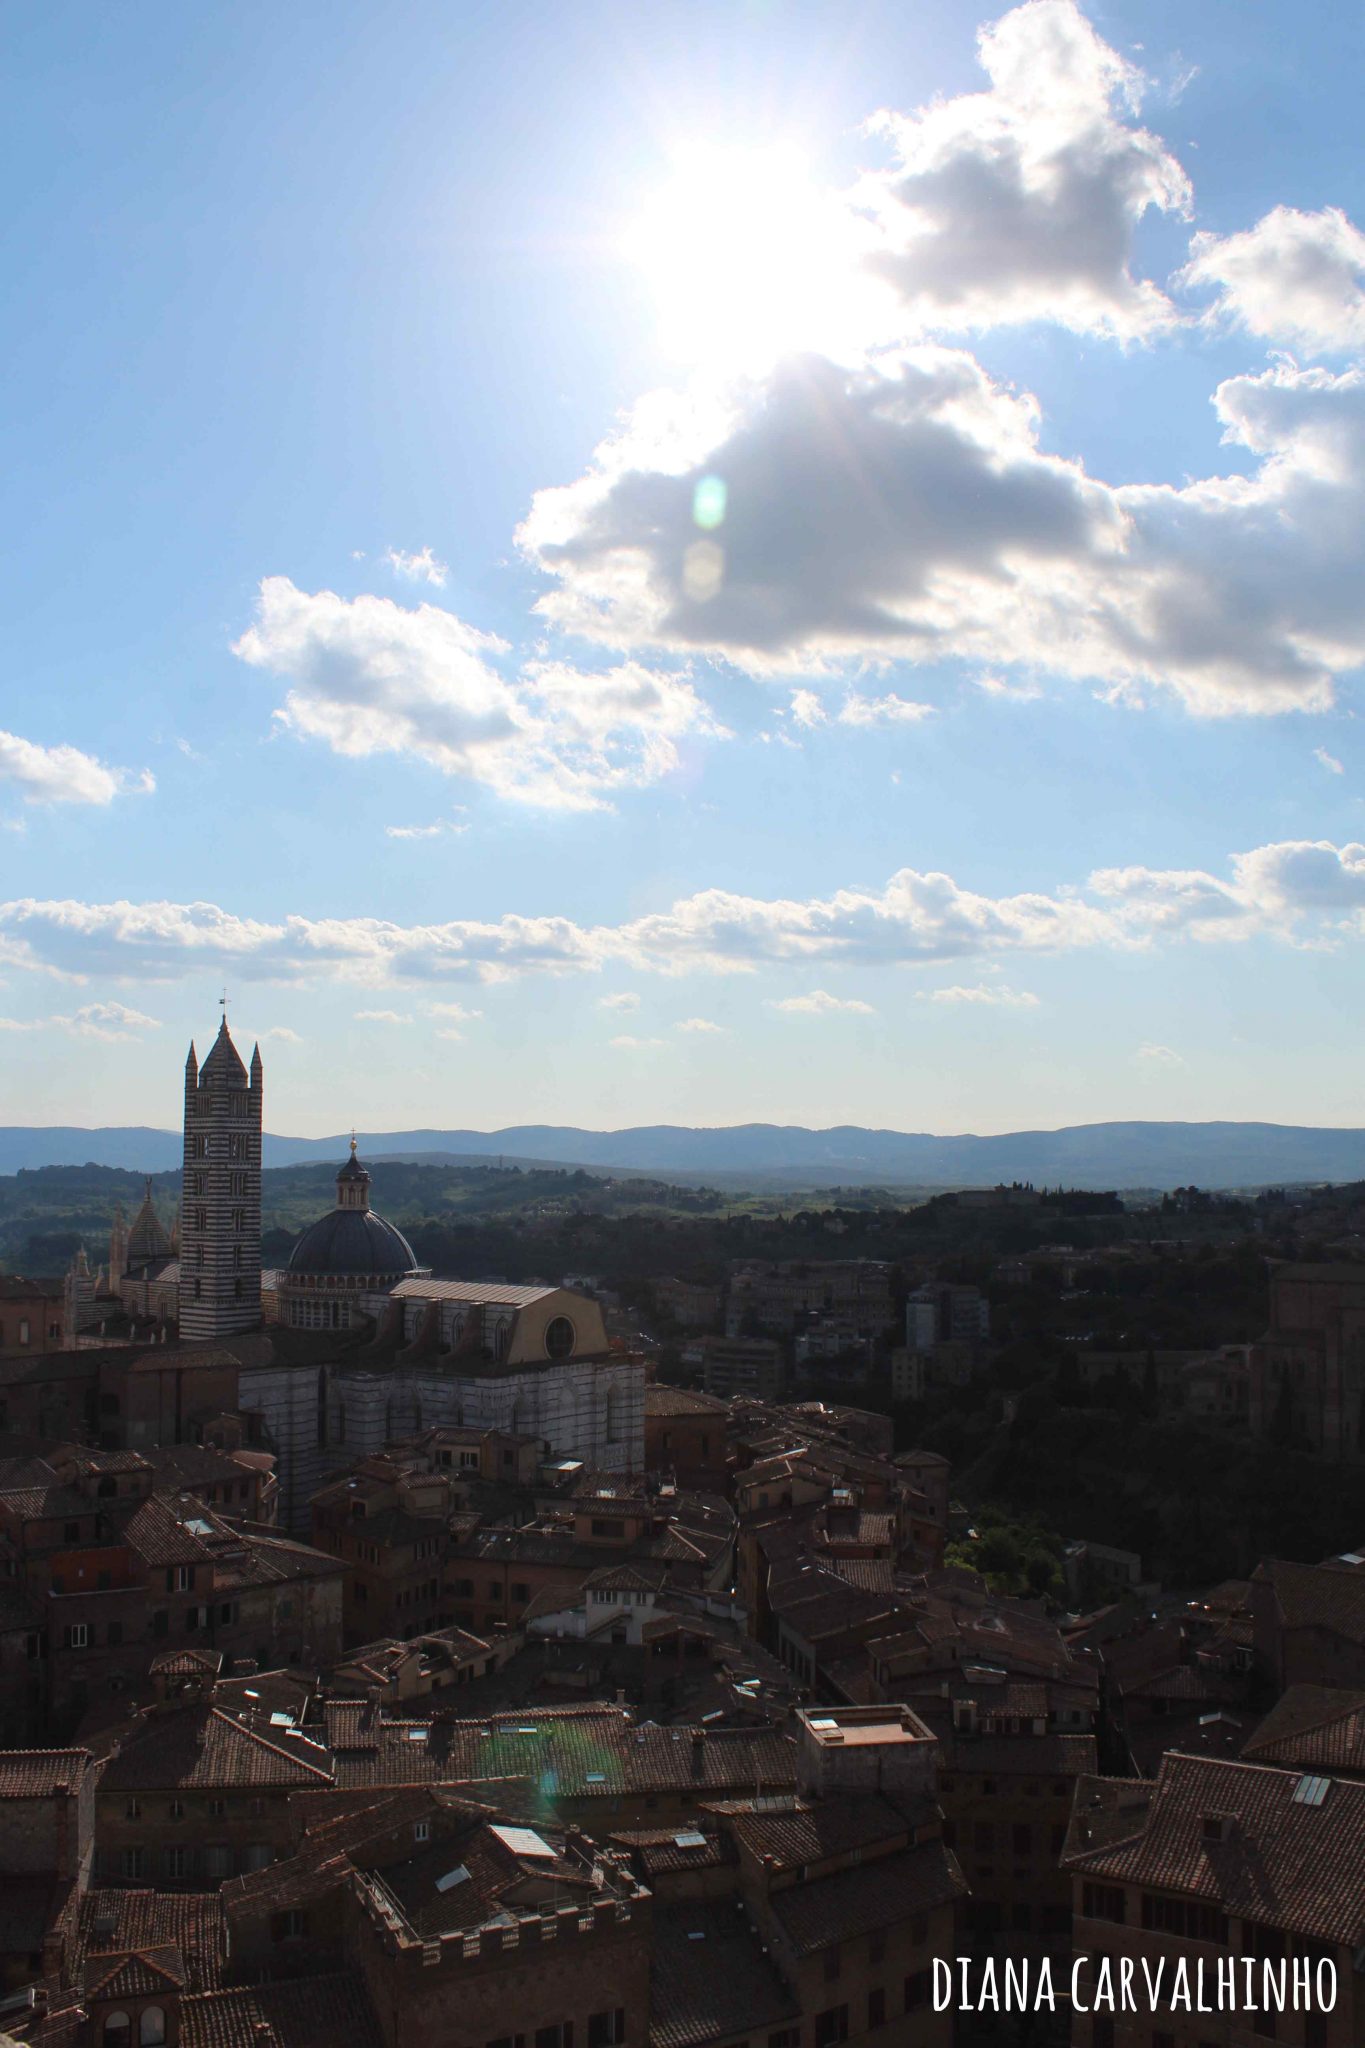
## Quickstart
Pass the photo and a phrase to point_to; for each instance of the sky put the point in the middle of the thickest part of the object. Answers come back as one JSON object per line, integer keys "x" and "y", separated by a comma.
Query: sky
{"x": 767, "y": 561}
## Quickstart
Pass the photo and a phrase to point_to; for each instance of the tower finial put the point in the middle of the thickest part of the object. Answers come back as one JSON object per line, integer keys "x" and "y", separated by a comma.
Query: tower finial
{"x": 222, "y": 1004}
{"x": 353, "y": 1141}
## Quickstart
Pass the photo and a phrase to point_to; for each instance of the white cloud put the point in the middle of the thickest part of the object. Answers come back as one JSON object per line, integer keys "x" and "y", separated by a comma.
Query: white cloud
{"x": 820, "y": 1003}
{"x": 1302, "y": 890}
{"x": 425, "y": 831}
{"x": 807, "y": 709}
{"x": 995, "y": 994}
{"x": 1020, "y": 203}
{"x": 284, "y": 1034}
{"x": 698, "y": 1024}
{"x": 383, "y": 1017}
{"x": 453, "y": 1013}
{"x": 1158, "y": 1056}
{"x": 1329, "y": 761}
{"x": 1025, "y": 692}
{"x": 889, "y": 710}
{"x": 115, "y": 1023}
{"x": 625, "y": 1043}
{"x": 422, "y": 567}
{"x": 64, "y": 775}
{"x": 968, "y": 522}
{"x": 369, "y": 676}
{"x": 1240, "y": 593}
{"x": 1295, "y": 278}
{"x": 625, "y": 1000}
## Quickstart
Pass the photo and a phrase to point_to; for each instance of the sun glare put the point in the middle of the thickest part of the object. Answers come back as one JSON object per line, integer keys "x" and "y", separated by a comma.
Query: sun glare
{"x": 748, "y": 258}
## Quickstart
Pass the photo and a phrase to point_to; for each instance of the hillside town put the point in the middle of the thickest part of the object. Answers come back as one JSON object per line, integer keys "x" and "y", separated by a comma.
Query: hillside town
{"x": 414, "y": 1659}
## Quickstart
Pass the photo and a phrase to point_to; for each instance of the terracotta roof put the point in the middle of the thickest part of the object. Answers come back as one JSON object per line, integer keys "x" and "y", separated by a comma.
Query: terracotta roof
{"x": 567, "y": 1752}
{"x": 140, "y": 1975}
{"x": 1314, "y": 1726}
{"x": 872, "y": 1894}
{"x": 666, "y": 1850}
{"x": 116, "y": 1922}
{"x": 665, "y": 1401}
{"x": 188, "y": 1664}
{"x": 38, "y": 1773}
{"x": 1319, "y": 1596}
{"x": 201, "y": 1745}
{"x": 811, "y": 1833}
{"x": 710, "y": 1979}
{"x": 1107, "y": 1810}
{"x": 1283, "y": 1861}
{"x": 160, "y": 1536}
{"x": 302, "y": 2012}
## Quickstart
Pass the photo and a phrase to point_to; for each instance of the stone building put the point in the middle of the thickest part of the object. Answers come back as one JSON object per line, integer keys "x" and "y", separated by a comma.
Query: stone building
{"x": 1307, "y": 1375}
{"x": 220, "y": 1262}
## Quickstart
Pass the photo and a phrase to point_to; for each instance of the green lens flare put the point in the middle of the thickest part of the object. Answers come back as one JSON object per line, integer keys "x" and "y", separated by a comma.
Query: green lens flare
{"x": 708, "y": 503}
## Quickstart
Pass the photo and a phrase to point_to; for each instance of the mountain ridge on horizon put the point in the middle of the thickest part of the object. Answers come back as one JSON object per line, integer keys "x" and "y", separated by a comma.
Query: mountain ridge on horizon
{"x": 1126, "y": 1153}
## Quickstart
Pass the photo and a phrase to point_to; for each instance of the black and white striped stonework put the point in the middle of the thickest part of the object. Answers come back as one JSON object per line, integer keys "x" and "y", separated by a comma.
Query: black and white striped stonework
{"x": 220, "y": 1233}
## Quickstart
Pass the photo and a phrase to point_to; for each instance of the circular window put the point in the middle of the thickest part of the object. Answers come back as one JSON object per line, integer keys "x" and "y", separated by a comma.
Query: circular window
{"x": 559, "y": 1336}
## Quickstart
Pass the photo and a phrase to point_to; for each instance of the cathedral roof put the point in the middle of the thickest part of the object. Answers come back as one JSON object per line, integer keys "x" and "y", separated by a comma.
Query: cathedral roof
{"x": 352, "y": 1243}
{"x": 147, "y": 1239}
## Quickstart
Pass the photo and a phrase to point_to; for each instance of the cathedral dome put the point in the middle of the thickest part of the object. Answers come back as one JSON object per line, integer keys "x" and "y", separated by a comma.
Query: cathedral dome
{"x": 352, "y": 1241}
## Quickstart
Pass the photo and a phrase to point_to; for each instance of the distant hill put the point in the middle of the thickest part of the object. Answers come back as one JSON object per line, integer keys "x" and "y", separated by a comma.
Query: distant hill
{"x": 1108, "y": 1155}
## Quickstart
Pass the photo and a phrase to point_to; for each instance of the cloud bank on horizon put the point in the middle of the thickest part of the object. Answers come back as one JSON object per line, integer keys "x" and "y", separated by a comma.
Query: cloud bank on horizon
{"x": 1301, "y": 892}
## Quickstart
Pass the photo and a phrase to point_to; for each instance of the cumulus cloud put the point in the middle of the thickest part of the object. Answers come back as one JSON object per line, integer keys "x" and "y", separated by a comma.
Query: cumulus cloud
{"x": 63, "y": 775}
{"x": 1158, "y": 1056}
{"x": 453, "y": 1013}
{"x": 698, "y": 1024}
{"x": 1295, "y": 278}
{"x": 422, "y": 567}
{"x": 383, "y": 1017}
{"x": 284, "y": 1034}
{"x": 368, "y": 676}
{"x": 625, "y": 1043}
{"x": 992, "y": 994}
{"x": 115, "y": 1023}
{"x": 807, "y": 708}
{"x": 1329, "y": 761}
{"x": 903, "y": 508}
{"x": 820, "y": 1003}
{"x": 1303, "y": 890}
{"x": 1020, "y": 203}
{"x": 873, "y": 511}
{"x": 625, "y": 1000}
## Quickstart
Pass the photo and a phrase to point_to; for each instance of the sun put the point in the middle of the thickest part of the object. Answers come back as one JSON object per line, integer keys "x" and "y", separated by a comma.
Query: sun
{"x": 748, "y": 258}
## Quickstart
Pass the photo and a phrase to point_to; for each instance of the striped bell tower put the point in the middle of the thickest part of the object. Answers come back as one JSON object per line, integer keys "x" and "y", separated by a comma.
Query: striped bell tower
{"x": 220, "y": 1240}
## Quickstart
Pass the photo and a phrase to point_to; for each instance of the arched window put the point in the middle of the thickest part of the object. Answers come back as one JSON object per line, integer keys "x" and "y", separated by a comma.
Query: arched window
{"x": 118, "y": 2030}
{"x": 151, "y": 2028}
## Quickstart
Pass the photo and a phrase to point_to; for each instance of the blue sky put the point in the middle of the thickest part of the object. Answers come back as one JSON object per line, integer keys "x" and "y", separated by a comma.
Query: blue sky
{"x": 990, "y": 760}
